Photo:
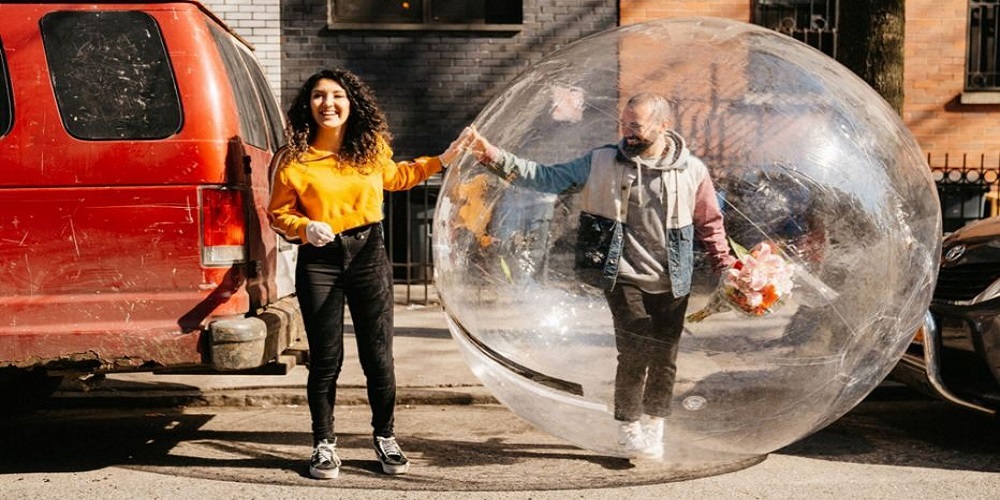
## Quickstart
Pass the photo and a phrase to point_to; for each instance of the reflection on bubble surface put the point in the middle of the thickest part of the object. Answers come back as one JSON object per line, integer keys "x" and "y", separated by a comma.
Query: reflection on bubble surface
{"x": 802, "y": 153}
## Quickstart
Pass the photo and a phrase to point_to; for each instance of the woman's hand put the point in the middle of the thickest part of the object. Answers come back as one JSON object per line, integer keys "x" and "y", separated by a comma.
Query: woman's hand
{"x": 319, "y": 233}
{"x": 470, "y": 141}
{"x": 456, "y": 149}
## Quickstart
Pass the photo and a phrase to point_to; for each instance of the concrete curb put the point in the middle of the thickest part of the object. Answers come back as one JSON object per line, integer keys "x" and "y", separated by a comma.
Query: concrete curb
{"x": 183, "y": 396}
{"x": 256, "y": 397}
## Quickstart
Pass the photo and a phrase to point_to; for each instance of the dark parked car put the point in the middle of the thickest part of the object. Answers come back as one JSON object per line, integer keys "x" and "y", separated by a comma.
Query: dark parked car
{"x": 956, "y": 355}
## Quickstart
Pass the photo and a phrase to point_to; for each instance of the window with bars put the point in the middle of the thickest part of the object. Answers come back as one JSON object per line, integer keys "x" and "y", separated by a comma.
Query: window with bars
{"x": 982, "y": 69}
{"x": 811, "y": 21}
{"x": 425, "y": 14}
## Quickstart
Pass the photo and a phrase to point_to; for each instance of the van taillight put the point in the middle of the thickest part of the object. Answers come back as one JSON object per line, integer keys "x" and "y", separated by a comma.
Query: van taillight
{"x": 223, "y": 227}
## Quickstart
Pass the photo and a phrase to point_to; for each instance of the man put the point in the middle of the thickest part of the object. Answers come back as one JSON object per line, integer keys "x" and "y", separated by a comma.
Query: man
{"x": 659, "y": 197}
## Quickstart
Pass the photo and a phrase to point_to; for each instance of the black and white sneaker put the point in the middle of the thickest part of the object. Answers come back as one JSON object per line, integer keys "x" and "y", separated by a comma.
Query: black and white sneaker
{"x": 390, "y": 456}
{"x": 325, "y": 464}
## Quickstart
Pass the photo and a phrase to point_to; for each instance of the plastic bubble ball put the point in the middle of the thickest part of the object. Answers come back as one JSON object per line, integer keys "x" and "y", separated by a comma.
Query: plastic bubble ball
{"x": 807, "y": 161}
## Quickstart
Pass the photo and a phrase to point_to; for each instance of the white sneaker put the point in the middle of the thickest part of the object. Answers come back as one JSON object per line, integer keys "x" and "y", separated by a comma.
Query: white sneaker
{"x": 631, "y": 439}
{"x": 652, "y": 430}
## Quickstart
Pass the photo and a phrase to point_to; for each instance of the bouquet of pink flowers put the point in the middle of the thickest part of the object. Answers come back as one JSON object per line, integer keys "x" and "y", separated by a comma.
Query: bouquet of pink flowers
{"x": 756, "y": 284}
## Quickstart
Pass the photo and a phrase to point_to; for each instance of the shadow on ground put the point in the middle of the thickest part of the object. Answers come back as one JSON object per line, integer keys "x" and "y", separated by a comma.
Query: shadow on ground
{"x": 452, "y": 447}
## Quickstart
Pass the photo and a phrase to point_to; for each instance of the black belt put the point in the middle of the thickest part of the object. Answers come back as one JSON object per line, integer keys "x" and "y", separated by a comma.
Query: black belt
{"x": 357, "y": 231}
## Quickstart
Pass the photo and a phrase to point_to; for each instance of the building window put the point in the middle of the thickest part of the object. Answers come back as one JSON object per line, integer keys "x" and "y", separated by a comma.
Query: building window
{"x": 811, "y": 21}
{"x": 471, "y": 15}
{"x": 982, "y": 69}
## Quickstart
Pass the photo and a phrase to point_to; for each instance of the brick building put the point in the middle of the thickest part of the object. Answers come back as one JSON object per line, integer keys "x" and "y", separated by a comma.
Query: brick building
{"x": 432, "y": 79}
{"x": 434, "y": 64}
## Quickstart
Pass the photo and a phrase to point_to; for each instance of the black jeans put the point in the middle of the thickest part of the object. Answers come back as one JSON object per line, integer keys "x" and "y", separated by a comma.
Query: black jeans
{"x": 648, "y": 329}
{"x": 354, "y": 269}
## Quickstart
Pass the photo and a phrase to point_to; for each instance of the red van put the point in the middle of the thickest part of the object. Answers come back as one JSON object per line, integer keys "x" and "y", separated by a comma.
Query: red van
{"x": 135, "y": 141}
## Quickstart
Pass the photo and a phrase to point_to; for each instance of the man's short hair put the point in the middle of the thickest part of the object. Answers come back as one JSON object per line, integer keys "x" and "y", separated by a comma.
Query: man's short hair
{"x": 660, "y": 104}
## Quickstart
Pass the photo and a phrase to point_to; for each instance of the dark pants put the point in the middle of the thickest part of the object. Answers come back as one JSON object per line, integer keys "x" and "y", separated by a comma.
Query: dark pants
{"x": 647, "y": 332}
{"x": 354, "y": 269}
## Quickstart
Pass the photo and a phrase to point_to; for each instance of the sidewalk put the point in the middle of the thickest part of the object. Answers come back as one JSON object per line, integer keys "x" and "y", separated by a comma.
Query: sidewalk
{"x": 429, "y": 370}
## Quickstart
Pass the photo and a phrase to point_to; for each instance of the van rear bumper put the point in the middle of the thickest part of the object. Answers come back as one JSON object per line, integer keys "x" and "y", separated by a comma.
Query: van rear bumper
{"x": 242, "y": 343}
{"x": 157, "y": 345}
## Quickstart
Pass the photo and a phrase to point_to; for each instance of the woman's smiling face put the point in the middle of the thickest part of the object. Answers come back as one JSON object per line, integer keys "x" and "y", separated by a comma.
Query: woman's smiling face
{"x": 329, "y": 104}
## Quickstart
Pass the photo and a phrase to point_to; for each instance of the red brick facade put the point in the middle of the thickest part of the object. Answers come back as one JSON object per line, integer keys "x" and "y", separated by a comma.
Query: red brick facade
{"x": 634, "y": 11}
{"x": 934, "y": 72}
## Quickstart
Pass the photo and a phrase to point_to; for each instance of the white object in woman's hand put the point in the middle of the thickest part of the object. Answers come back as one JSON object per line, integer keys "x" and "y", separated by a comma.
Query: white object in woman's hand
{"x": 319, "y": 233}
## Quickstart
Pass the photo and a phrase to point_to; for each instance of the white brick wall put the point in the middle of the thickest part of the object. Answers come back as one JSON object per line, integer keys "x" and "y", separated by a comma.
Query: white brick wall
{"x": 259, "y": 22}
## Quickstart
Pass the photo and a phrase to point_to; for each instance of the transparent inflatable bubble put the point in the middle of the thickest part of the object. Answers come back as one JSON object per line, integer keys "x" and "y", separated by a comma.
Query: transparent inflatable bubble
{"x": 805, "y": 158}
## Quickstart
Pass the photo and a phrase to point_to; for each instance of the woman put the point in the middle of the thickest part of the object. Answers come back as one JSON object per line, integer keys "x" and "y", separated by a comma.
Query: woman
{"x": 327, "y": 194}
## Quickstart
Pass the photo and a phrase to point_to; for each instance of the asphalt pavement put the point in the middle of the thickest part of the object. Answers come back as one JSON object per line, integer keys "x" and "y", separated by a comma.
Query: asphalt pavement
{"x": 253, "y": 429}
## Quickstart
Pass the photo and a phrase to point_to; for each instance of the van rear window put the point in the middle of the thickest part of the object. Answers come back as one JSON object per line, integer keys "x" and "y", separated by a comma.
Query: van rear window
{"x": 253, "y": 124}
{"x": 111, "y": 75}
{"x": 6, "y": 104}
{"x": 274, "y": 117}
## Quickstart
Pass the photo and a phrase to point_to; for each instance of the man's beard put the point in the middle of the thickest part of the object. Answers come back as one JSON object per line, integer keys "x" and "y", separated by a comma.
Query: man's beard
{"x": 634, "y": 146}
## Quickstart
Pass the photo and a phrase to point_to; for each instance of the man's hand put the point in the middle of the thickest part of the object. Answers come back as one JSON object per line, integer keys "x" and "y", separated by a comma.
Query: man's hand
{"x": 479, "y": 146}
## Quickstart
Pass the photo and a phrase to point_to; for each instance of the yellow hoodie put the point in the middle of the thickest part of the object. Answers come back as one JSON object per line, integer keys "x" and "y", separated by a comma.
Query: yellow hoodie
{"x": 321, "y": 187}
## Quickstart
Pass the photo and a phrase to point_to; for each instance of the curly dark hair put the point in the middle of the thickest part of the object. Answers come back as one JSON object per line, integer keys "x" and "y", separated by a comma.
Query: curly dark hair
{"x": 365, "y": 124}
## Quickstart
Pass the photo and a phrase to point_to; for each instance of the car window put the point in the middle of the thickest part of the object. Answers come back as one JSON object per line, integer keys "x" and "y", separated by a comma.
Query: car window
{"x": 111, "y": 75}
{"x": 276, "y": 123}
{"x": 6, "y": 104}
{"x": 253, "y": 125}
